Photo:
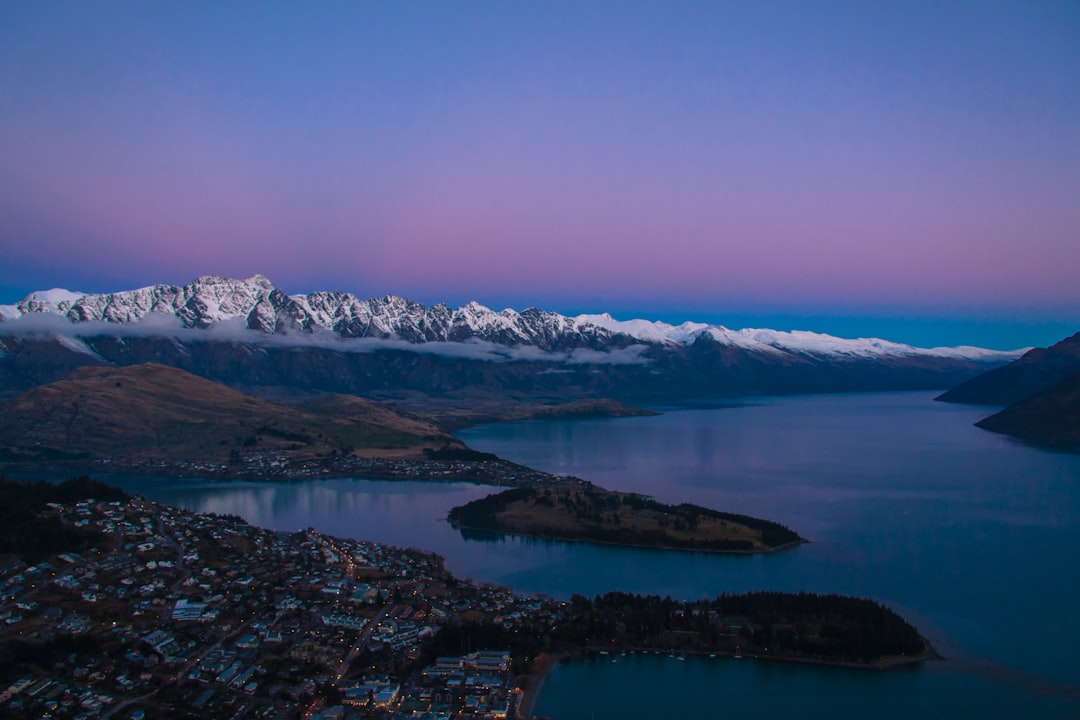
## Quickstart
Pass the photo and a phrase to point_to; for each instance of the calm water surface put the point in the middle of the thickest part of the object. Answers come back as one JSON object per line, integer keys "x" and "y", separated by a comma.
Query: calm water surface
{"x": 971, "y": 536}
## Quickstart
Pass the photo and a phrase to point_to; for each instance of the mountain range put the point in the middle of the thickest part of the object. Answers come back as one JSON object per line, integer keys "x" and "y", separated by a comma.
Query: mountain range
{"x": 250, "y": 334}
{"x": 258, "y": 305}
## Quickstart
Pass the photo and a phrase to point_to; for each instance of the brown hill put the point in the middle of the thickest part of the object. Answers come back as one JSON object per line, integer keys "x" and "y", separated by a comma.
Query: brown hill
{"x": 154, "y": 411}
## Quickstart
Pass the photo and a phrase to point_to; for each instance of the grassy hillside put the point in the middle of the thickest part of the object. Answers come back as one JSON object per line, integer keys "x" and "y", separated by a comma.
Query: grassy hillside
{"x": 155, "y": 411}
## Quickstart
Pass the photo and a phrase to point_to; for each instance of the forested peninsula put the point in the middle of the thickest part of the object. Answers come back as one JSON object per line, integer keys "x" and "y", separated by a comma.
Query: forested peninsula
{"x": 581, "y": 511}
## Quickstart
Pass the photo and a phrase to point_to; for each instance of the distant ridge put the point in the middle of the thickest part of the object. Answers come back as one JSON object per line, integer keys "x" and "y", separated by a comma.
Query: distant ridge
{"x": 1041, "y": 390}
{"x": 1050, "y": 417}
{"x": 1037, "y": 370}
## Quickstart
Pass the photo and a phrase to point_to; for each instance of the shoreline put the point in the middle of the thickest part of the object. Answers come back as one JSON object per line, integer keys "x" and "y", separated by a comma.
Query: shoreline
{"x": 495, "y": 474}
{"x": 888, "y": 662}
{"x": 638, "y": 546}
{"x": 534, "y": 683}
{"x": 547, "y": 662}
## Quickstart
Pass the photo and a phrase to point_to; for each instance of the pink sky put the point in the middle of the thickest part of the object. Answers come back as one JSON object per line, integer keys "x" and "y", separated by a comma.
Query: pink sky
{"x": 909, "y": 161}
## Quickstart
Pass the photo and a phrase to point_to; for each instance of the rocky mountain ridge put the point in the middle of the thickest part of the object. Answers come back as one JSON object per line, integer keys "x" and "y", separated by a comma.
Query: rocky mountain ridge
{"x": 260, "y": 306}
{"x": 250, "y": 335}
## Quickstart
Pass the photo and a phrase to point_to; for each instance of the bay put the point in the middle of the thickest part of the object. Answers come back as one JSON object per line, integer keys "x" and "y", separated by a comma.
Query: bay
{"x": 971, "y": 536}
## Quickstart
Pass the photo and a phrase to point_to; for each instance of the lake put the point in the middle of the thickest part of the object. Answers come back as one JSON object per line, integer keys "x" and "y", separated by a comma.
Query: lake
{"x": 971, "y": 536}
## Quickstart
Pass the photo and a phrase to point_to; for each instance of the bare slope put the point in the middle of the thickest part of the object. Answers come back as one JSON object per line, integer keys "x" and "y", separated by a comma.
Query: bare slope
{"x": 155, "y": 411}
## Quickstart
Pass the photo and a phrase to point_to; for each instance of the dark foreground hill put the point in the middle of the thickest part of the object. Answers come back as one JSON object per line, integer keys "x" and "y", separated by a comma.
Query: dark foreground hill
{"x": 24, "y": 533}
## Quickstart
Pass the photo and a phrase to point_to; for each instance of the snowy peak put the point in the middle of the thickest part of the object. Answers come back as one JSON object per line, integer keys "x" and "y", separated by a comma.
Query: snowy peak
{"x": 199, "y": 304}
{"x": 259, "y": 306}
{"x": 57, "y": 300}
{"x": 647, "y": 330}
{"x": 796, "y": 342}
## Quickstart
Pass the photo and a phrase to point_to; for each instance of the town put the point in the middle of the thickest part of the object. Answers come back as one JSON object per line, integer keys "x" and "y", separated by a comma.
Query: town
{"x": 277, "y": 465}
{"x": 178, "y": 613}
{"x": 118, "y": 607}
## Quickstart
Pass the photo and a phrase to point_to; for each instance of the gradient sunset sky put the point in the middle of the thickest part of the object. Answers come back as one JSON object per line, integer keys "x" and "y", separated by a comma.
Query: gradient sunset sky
{"x": 907, "y": 170}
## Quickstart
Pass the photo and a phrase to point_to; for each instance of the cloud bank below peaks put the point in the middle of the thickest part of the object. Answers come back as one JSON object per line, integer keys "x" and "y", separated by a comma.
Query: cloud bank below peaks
{"x": 234, "y": 330}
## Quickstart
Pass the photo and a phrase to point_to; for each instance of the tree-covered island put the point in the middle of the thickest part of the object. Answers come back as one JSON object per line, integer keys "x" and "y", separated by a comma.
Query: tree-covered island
{"x": 581, "y": 511}
{"x": 804, "y": 627}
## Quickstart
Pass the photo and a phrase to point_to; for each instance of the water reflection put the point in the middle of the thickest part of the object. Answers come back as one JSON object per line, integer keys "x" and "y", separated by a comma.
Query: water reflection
{"x": 967, "y": 534}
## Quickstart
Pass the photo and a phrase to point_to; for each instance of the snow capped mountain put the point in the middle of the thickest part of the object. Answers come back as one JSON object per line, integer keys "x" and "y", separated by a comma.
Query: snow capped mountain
{"x": 210, "y": 300}
{"x": 249, "y": 334}
{"x": 199, "y": 304}
{"x": 56, "y": 300}
{"x": 811, "y": 343}
{"x": 647, "y": 330}
{"x": 763, "y": 340}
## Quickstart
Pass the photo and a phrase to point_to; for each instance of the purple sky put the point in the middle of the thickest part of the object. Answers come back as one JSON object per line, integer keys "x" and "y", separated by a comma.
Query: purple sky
{"x": 908, "y": 170}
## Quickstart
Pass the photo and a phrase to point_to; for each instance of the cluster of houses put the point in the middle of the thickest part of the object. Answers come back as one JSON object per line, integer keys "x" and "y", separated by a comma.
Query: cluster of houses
{"x": 477, "y": 686}
{"x": 210, "y": 616}
{"x": 279, "y": 465}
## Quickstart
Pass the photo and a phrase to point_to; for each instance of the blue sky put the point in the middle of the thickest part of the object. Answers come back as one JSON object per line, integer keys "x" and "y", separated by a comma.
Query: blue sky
{"x": 902, "y": 170}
